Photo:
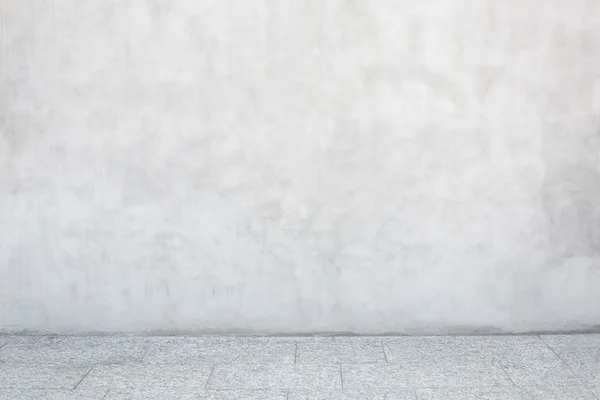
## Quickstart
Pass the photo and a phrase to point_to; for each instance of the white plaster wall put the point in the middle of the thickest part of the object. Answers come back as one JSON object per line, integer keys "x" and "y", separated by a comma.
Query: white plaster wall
{"x": 274, "y": 166}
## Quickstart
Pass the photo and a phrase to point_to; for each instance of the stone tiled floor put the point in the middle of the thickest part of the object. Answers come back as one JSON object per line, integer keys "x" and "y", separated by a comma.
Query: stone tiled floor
{"x": 393, "y": 368}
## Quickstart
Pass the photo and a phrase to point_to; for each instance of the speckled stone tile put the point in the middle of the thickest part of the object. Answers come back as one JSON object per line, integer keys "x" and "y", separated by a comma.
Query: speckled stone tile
{"x": 208, "y": 350}
{"x": 526, "y": 359}
{"x": 498, "y": 393}
{"x": 45, "y": 394}
{"x": 40, "y": 376}
{"x": 402, "y": 395}
{"x": 317, "y": 394}
{"x": 73, "y": 350}
{"x": 465, "y": 350}
{"x": 530, "y": 372}
{"x": 581, "y": 353}
{"x": 274, "y": 376}
{"x": 578, "y": 392}
{"x": 353, "y": 350}
{"x": 566, "y": 343}
{"x": 135, "y": 376}
{"x": 396, "y": 376}
{"x": 199, "y": 394}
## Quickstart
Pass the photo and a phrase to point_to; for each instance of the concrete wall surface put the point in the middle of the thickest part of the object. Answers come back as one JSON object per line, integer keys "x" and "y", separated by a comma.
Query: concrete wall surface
{"x": 289, "y": 166}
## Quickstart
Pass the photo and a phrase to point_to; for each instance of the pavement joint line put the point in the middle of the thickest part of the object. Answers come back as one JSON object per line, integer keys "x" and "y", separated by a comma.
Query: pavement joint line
{"x": 209, "y": 376}
{"x": 84, "y": 376}
{"x": 295, "y": 352}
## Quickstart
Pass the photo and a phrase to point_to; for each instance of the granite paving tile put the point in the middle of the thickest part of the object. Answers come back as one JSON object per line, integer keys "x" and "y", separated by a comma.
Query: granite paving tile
{"x": 40, "y": 376}
{"x": 581, "y": 353}
{"x": 73, "y": 350}
{"x": 318, "y": 394}
{"x": 353, "y": 350}
{"x": 396, "y": 376}
{"x": 275, "y": 376}
{"x": 497, "y": 393}
{"x": 530, "y": 372}
{"x": 576, "y": 392}
{"x": 46, "y": 394}
{"x": 136, "y": 376}
{"x": 464, "y": 350}
{"x": 526, "y": 359}
{"x": 199, "y": 394}
{"x": 208, "y": 350}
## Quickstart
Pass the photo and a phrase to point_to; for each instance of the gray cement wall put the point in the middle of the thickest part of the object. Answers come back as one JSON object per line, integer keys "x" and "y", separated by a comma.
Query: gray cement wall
{"x": 279, "y": 166}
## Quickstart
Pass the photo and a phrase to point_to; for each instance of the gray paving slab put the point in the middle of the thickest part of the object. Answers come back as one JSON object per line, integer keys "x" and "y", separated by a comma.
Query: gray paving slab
{"x": 588, "y": 372}
{"x": 498, "y": 393}
{"x": 578, "y": 392}
{"x": 581, "y": 353}
{"x": 174, "y": 394}
{"x": 136, "y": 376}
{"x": 40, "y": 376}
{"x": 73, "y": 350}
{"x": 526, "y": 359}
{"x": 529, "y": 372}
{"x": 208, "y": 350}
{"x": 342, "y": 395}
{"x": 465, "y": 350}
{"x": 355, "y": 350}
{"x": 45, "y": 394}
{"x": 566, "y": 343}
{"x": 275, "y": 376}
{"x": 397, "y": 376}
